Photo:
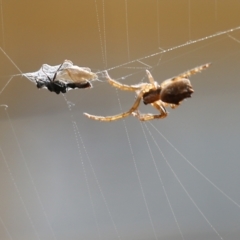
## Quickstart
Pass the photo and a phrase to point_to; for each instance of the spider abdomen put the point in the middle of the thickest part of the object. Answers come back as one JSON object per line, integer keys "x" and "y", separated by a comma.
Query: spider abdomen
{"x": 175, "y": 92}
{"x": 151, "y": 96}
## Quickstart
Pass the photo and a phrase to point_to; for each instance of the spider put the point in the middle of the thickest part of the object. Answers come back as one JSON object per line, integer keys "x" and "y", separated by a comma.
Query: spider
{"x": 69, "y": 77}
{"x": 168, "y": 94}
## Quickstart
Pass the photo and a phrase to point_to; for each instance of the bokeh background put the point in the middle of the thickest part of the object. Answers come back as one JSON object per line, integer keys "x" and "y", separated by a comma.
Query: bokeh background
{"x": 63, "y": 176}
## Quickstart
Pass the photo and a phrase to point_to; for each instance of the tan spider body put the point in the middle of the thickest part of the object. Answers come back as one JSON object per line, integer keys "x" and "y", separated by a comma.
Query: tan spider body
{"x": 168, "y": 94}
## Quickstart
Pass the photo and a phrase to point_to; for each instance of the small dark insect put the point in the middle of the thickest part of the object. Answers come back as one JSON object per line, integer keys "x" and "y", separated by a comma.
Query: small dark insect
{"x": 52, "y": 85}
{"x": 66, "y": 77}
{"x": 169, "y": 93}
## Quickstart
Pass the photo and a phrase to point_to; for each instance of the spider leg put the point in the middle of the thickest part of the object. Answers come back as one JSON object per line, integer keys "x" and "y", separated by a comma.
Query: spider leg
{"x": 173, "y": 106}
{"x": 121, "y": 86}
{"x": 151, "y": 79}
{"x": 118, "y": 116}
{"x": 160, "y": 106}
{"x": 190, "y": 72}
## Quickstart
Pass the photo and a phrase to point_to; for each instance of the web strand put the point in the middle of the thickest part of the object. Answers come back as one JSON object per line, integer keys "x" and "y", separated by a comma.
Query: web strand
{"x": 216, "y": 10}
{"x": 4, "y": 225}
{"x": 127, "y": 34}
{"x": 136, "y": 169}
{"x": 160, "y": 178}
{"x": 100, "y": 34}
{"x": 177, "y": 47}
{"x": 30, "y": 176}
{"x": 104, "y": 34}
{"x": 189, "y": 20}
{"x": 235, "y": 39}
{"x": 185, "y": 190}
{"x": 195, "y": 168}
{"x": 158, "y": 24}
{"x": 3, "y": 31}
{"x": 20, "y": 197}
{"x": 10, "y": 79}
{"x": 14, "y": 64}
{"x": 79, "y": 137}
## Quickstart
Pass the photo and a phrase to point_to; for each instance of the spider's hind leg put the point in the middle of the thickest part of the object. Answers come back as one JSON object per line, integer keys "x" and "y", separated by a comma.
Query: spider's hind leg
{"x": 148, "y": 116}
{"x": 192, "y": 71}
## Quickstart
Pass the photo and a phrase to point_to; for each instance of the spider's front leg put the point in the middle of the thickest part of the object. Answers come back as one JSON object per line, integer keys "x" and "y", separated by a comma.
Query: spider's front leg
{"x": 148, "y": 116}
{"x": 151, "y": 80}
{"x": 121, "y": 86}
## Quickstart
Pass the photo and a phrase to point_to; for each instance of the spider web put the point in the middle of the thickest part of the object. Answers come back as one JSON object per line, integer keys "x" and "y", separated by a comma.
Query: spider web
{"x": 64, "y": 176}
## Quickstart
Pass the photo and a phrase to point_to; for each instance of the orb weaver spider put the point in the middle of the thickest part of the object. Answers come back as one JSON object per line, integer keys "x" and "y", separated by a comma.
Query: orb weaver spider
{"x": 170, "y": 93}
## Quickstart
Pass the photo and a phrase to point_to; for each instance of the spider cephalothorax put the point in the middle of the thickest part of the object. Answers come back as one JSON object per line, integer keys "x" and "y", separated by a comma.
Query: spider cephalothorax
{"x": 151, "y": 96}
{"x": 169, "y": 93}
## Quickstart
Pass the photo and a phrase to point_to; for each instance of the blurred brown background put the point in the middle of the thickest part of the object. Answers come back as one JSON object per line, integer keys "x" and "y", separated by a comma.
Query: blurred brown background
{"x": 55, "y": 185}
